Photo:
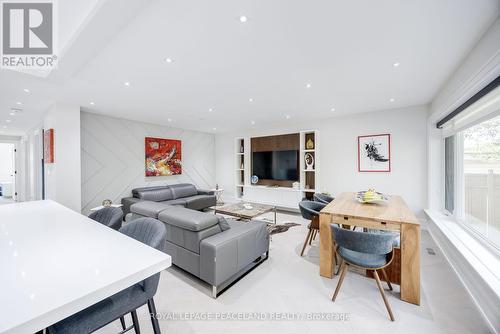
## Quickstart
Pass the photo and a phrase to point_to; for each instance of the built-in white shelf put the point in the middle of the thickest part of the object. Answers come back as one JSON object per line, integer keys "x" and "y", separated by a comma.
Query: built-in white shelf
{"x": 239, "y": 153}
{"x": 305, "y": 151}
{"x": 309, "y": 170}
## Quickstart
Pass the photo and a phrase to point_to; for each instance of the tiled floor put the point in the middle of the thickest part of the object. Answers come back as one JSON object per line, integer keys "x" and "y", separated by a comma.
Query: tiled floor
{"x": 288, "y": 284}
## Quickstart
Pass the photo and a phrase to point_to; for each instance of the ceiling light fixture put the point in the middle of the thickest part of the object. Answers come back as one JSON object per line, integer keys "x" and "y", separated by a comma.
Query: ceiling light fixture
{"x": 308, "y": 85}
{"x": 92, "y": 103}
{"x": 243, "y": 19}
{"x": 26, "y": 90}
{"x": 214, "y": 129}
{"x": 5, "y": 126}
{"x": 250, "y": 100}
{"x": 396, "y": 64}
{"x": 391, "y": 100}
{"x": 333, "y": 109}
{"x": 252, "y": 122}
{"x": 18, "y": 103}
{"x": 168, "y": 60}
{"x": 12, "y": 113}
{"x": 126, "y": 83}
{"x": 8, "y": 120}
{"x": 287, "y": 116}
{"x": 210, "y": 110}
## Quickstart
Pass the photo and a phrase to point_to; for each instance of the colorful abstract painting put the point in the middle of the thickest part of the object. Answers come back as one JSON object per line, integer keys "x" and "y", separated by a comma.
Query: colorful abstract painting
{"x": 163, "y": 157}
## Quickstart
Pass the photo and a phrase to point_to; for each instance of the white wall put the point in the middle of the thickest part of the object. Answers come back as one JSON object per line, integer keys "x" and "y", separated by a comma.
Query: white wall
{"x": 339, "y": 153}
{"x": 63, "y": 177}
{"x": 113, "y": 158}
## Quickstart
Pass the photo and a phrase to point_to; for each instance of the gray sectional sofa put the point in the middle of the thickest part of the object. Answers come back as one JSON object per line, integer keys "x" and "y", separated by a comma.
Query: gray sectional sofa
{"x": 216, "y": 250}
{"x": 182, "y": 194}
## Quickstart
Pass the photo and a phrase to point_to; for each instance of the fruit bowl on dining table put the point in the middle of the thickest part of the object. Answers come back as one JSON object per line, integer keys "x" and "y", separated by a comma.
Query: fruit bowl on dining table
{"x": 371, "y": 197}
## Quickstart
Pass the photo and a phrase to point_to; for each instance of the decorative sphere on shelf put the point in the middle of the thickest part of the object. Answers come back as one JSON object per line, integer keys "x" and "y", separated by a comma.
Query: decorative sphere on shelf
{"x": 254, "y": 179}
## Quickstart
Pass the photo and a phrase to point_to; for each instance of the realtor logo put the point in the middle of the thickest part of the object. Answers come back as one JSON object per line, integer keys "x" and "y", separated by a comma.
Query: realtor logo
{"x": 28, "y": 35}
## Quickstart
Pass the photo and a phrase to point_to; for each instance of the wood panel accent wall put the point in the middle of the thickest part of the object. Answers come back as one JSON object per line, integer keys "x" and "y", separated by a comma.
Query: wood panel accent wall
{"x": 285, "y": 142}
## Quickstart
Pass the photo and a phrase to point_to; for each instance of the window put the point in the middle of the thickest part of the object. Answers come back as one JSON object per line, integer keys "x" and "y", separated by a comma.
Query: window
{"x": 472, "y": 178}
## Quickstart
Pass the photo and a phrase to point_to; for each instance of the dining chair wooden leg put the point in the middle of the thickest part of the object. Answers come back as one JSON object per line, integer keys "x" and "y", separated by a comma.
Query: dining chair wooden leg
{"x": 306, "y": 242}
{"x": 379, "y": 284}
{"x": 122, "y": 321}
{"x": 340, "y": 266}
{"x": 135, "y": 322}
{"x": 154, "y": 317}
{"x": 386, "y": 279}
{"x": 311, "y": 238}
{"x": 341, "y": 279}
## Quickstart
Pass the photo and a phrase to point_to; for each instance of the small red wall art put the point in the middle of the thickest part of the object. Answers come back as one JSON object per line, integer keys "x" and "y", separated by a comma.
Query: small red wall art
{"x": 48, "y": 146}
{"x": 163, "y": 157}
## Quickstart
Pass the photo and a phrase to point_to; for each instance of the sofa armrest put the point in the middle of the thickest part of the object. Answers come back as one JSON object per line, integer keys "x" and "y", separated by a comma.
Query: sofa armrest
{"x": 205, "y": 192}
{"x": 225, "y": 254}
{"x": 127, "y": 203}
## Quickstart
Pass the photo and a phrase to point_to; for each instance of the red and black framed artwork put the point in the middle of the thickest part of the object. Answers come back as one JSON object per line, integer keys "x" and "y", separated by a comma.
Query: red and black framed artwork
{"x": 374, "y": 153}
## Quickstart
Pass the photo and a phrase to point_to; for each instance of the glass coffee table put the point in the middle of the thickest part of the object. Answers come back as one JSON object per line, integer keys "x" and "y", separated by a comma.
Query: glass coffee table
{"x": 245, "y": 210}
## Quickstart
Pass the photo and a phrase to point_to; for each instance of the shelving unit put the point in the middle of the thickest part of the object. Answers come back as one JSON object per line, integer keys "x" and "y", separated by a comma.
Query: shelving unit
{"x": 309, "y": 178}
{"x": 239, "y": 162}
{"x": 283, "y": 197}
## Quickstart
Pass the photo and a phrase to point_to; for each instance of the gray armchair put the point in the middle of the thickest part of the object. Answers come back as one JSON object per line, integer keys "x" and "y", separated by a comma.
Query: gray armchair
{"x": 370, "y": 251}
{"x": 146, "y": 230}
{"x": 310, "y": 210}
{"x": 322, "y": 198}
{"x": 111, "y": 217}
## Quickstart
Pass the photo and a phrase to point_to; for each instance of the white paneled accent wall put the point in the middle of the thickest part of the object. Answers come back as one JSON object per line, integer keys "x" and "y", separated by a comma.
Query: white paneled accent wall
{"x": 113, "y": 158}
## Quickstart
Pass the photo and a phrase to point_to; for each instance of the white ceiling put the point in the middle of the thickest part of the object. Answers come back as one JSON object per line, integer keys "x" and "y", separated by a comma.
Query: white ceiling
{"x": 344, "y": 49}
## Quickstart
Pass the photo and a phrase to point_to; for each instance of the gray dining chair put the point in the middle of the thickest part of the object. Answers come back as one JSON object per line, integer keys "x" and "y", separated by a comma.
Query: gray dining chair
{"x": 150, "y": 232}
{"x": 322, "y": 198}
{"x": 110, "y": 216}
{"x": 370, "y": 251}
{"x": 310, "y": 211}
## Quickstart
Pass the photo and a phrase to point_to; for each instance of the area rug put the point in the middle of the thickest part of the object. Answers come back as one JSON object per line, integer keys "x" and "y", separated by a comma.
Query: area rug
{"x": 275, "y": 228}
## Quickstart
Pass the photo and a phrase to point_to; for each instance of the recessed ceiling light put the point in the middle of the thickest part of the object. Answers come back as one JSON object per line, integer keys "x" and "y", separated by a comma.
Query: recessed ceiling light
{"x": 308, "y": 85}
{"x": 391, "y": 100}
{"x": 18, "y": 103}
{"x": 92, "y": 103}
{"x": 26, "y": 90}
{"x": 252, "y": 122}
{"x": 5, "y": 126}
{"x": 396, "y": 64}
{"x": 8, "y": 120}
{"x": 333, "y": 109}
{"x": 12, "y": 113}
{"x": 168, "y": 60}
{"x": 169, "y": 120}
{"x": 287, "y": 116}
{"x": 210, "y": 110}
{"x": 250, "y": 100}
{"x": 214, "y": 129}
{"x": 243, "y": 19}
{"x": 126, "y": 83}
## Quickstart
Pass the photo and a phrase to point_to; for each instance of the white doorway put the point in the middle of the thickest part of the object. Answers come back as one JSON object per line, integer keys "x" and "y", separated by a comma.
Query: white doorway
{"x": 7, "y": 173}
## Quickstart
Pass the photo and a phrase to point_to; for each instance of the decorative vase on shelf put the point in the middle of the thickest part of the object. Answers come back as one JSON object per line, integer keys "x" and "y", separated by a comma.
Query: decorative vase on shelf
{"x": 254, "y": 179}
{"x": 310, "y": 144}
{"x": 309, "y": 160}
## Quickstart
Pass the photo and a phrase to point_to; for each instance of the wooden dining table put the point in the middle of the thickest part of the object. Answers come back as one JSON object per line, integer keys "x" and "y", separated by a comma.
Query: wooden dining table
{"x": 393, "y": 215}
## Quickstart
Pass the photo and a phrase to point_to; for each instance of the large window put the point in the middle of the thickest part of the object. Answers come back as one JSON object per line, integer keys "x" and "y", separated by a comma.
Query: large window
{"x": 472, "y": 178}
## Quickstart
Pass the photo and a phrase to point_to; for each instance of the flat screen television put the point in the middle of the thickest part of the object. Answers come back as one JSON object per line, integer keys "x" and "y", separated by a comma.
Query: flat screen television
{"x": 276, "y": 165}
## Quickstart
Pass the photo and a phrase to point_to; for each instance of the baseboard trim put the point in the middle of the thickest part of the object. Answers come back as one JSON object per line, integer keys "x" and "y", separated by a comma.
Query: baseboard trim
{"x": 484, "y": 289}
